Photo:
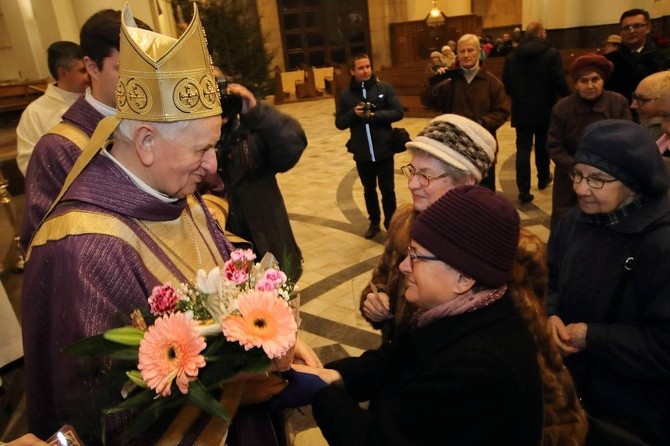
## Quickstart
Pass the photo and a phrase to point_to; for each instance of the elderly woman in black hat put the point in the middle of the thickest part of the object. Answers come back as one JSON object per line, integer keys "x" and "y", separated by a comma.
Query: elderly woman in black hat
{"x": 589, "y": 103}
{"x": 466, "y": 371}
{"x": 609, "y": 284}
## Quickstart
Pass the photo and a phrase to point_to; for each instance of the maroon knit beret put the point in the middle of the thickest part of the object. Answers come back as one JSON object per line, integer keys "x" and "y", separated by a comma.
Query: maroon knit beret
{"x": 473, "y": 230}
{"x": 591, "y": 62}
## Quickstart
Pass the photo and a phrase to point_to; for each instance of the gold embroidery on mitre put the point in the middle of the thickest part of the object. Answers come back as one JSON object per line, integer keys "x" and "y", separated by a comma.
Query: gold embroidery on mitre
{"x": 163, "y": 79}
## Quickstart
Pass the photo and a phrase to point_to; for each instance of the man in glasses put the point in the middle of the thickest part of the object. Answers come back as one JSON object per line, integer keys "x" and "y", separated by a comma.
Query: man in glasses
{"x": 635, "y": 58}
{"x": 451, "y": 151}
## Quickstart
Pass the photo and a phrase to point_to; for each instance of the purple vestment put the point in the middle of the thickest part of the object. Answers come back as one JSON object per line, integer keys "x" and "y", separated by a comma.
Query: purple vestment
{"x": 77, "y": 285}
{"x": 51, "y": 161}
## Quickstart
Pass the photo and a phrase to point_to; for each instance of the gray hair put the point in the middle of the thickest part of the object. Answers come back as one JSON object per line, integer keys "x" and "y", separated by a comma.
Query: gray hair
{"x": 168, "y": 130}
{"x": 469, "y": 38}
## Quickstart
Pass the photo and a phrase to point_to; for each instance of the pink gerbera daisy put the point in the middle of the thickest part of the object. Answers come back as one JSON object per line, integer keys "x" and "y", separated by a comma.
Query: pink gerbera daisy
{"x": 171, "y": 350}
{"x": 265, "y": 321}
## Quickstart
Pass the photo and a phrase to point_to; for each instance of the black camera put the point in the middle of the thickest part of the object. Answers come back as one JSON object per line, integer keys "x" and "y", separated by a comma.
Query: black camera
{"x": 231, "y": 104}
{"x": 368, "y": 109}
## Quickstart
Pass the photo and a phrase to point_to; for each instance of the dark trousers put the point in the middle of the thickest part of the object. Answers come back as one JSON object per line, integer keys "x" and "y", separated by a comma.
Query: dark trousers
{"x": 524, "y": 145}
{"x": 379, "y": 173}
{"x": 489, "y": 181}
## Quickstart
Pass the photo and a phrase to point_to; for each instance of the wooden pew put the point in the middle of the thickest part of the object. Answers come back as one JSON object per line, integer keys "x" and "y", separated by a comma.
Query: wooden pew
{"x": 303, "y": 84}
{"x": 16, "y": 95}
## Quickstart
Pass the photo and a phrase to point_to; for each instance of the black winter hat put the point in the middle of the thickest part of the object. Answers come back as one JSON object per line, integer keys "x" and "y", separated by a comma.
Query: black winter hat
{"x": 473, "y": 230}
{"x": 626, "y": 151}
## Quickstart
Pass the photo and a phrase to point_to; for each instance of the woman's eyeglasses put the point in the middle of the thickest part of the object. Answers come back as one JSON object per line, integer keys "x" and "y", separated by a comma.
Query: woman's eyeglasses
{"x": 414, "y": 256}
{"x": 593, "y": 182}
{"x": 424, "y": 179}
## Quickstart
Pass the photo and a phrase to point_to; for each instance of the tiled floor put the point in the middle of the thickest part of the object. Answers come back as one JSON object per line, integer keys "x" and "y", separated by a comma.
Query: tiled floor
{"x": 325, "y": 202}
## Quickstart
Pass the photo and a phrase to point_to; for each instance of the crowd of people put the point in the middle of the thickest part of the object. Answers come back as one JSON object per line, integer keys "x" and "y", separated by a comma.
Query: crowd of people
{"x": 488, "y": 335}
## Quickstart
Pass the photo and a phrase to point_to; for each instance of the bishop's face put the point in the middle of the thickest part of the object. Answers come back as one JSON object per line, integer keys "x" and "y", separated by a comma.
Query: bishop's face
{"x": 181, "y": 161}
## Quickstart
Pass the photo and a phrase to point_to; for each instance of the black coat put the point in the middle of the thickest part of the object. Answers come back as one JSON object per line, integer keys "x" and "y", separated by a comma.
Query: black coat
{"x": 630, "y": 68}
{"x": 470, "y": 379}
{"x": 273, "y": 143}
{"x": 388, "y": 109}
{"x": 534, "y": 80}
{"x": 624, "y": 373}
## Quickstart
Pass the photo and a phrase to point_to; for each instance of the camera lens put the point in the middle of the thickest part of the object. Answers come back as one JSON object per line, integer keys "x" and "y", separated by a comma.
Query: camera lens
{"x": 231, "y": 104}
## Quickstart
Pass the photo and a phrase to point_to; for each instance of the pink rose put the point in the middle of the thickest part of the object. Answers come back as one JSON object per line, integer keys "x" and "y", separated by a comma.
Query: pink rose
{"x": 275, "y": 276}
{"x": 265, "y": 285}
{"x": 163, "y": 299}
{"x": 242, "y": 255}
{"x": 233, "y": 273}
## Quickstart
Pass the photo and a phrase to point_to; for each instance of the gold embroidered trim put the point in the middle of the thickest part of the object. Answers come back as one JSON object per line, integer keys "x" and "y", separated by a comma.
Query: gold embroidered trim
{"x": 75, "y": 223}
{"x": 169, "y": 232}
{"x": 72, "y": 133}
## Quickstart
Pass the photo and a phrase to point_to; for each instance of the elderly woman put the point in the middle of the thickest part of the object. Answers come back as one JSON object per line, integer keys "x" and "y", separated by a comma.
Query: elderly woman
{"x": 437, "y": 60}
{"x": 589, "y": 103}
{"x": 609, "y": 283}
{"x": 450, "y": 151}
{"x": 466, "y": 370}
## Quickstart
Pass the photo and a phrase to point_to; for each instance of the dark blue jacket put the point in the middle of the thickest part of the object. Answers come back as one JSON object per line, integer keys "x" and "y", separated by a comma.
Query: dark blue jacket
{"x": 623, "y": 375}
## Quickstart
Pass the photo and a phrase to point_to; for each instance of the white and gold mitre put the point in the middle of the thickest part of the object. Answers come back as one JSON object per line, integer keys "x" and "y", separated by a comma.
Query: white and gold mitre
{"x": 163, "y": 79}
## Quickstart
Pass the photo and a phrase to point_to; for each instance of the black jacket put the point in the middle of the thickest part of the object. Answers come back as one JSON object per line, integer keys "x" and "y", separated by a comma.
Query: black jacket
{"x": 469, "y": 379}
{"x": 623, "y": 375}
{"x": 630, "y": 68}
{"x": 388, "y": 109}
{"x": 534, "y": 79}
{"x": 253, "y": 149}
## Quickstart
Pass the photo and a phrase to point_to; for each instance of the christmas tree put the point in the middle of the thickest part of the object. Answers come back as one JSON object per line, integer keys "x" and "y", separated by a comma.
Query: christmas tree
{"x": 234, "y": 38}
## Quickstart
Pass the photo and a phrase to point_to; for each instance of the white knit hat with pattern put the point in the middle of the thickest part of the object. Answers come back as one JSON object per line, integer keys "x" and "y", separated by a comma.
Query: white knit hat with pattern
{"x": 458, "y": 141}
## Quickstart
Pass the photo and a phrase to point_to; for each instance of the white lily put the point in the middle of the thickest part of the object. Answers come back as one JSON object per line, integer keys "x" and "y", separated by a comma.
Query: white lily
{"x": 208, "y": 283}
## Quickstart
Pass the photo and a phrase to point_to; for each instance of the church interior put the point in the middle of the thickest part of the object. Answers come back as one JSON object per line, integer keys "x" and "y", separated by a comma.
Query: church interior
{"x": 323, "y": 195}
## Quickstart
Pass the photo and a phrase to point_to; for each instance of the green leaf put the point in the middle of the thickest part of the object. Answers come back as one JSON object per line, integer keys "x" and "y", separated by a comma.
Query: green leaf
{"x": 126, "y": 354}
{"x": 144, "y": 397}
{"x": 257, "y": 364}
{"x": 136, "y": 377}
{"x": 95, "y": 345}
{"x": 200, "y": 396}
{"x": 152, "y": 413}
{"x": 125, "y": 335}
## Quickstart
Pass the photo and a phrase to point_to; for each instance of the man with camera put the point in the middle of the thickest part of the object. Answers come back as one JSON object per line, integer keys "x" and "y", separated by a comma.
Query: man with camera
{"x": 367, "y": 108}
{"x": 257, "y": 142}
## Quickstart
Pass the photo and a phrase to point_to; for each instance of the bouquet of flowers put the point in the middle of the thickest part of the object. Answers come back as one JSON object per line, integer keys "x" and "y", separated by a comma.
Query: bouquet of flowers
{"x": 198, "y": 335}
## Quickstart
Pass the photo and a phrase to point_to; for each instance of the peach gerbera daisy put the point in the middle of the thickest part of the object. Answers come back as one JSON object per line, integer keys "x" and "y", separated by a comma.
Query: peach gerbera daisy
{"x": 170, "y": 350}
{"x": 264, "y": 321}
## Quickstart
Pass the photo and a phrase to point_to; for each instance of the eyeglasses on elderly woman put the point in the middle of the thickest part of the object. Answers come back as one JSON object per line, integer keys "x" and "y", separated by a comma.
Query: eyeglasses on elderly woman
{"x": 594, "y": 182}
{"x": 413, "y": 256}
{"x": 424, "y": 179}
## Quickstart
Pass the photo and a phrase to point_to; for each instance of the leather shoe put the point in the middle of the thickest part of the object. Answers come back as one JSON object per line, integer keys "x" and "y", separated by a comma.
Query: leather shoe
{"x": 372, "y": 231}
{"x": 542, "y": 185}
{"x": 526, "y": 198}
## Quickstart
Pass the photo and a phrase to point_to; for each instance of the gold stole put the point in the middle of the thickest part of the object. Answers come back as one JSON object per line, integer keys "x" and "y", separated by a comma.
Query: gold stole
{"x": 68, "y": 131}
{"x": 172, "y": 235}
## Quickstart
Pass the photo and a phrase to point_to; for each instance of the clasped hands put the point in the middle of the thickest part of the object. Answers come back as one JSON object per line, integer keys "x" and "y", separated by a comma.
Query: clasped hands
{"x": 288, "y": 388}
{"x": 569, "y": 338}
